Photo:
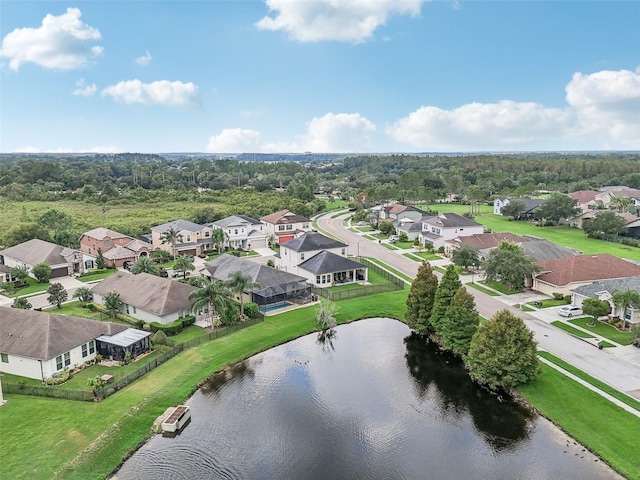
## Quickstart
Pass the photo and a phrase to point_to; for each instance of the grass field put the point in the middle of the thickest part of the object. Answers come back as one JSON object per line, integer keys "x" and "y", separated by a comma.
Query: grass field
{"x": 603, "y": 330}
{"x": 482, "y": 289}
{"x": 33, "y": 288}
{"x": 574, "y": 331}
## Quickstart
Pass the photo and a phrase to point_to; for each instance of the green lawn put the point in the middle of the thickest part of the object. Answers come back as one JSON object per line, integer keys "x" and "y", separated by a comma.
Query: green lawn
{"x": 549, "y": 302}
{"x": 91, "y": 277}
{"x": 404, "y": 245}
{"x": 75, "y": 308}
{"x": 500, "y": 287}
{"x": 397, "y": 273}
{"x": 604, "y": 330}
{"x": 33, "y": 288}
{"x": 390, "y": 246}
{"x": 623, "y": 397}
{"x": 373, "y": 278}
{"x": 364, "y": 229}
{"x": 607, "y": 429}
{"x": 574, "y": 331}
{"x": 428, "y": 256}
{"x": 482, "y": 289}
{"x": 524, "y": 307}
{"x": 369, "y": 237}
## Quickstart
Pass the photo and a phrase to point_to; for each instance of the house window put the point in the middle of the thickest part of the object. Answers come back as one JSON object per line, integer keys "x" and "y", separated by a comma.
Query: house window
{"x": 317, "y": 281}
{"x": 107, "y": 243}
{"x": 67, "y": 359}
{"x": 280, "y": 227}
{"x": 5, "y": 357}
{"x": 343, "y": 251}
{"x": 92, "y": 346}
{"x": 207, "y": 233}
{"x": 235, "y": 231}
{"x": 84, "y": 350}
{"x": 289, "y": 227}
{"x": 188, "y": 238}
{"x": 305, "y": 226}
{"x": 59, "y": 362}
{"x": 135, "y": 310}
{"x": 301, "y": 256}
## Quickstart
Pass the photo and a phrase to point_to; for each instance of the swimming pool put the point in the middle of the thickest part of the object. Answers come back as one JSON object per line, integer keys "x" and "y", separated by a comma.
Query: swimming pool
{"x": 274, "y": 306}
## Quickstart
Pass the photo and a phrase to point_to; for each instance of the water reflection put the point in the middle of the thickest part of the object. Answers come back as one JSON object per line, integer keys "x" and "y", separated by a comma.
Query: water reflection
{"x": 441, "y": 376}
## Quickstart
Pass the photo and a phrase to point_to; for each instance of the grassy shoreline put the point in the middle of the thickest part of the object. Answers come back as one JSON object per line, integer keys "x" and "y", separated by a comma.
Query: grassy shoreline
{"x": 74, "y": 440}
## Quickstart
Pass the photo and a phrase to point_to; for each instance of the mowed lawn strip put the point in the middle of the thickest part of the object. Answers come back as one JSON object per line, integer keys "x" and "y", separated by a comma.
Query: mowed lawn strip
{"x": 574, "y": 331}
{"x": 603, "y": 330}
{"x": 608, "y": 430}
{"x": 53, "y": 435}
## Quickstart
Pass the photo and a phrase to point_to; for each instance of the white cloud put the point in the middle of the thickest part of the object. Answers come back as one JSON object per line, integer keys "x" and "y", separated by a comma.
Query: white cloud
{"x": 603, "y": 112}
{"x": 342, "y": 132}
{"x": 235, "y": 140}
{"x": 144, "y": 60}
{"x": 83, "y": 89}
{"x": 161, "y": 92}
{"x": 61, "y": 42}
{"x": 340, "y": 20}
{"x": 109, "y": 149}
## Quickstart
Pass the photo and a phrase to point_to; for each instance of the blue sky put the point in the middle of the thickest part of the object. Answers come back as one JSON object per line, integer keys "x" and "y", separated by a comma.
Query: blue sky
{"x": 320, "y": 76}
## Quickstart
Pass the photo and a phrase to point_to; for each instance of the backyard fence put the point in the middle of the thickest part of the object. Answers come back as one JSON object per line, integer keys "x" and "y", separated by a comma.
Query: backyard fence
{"x": 392, "y": 284}
{"x": 121, "y": 382}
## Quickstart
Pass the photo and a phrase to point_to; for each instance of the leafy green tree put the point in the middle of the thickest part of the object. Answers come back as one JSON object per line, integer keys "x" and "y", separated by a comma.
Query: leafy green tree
{"x": 83, "y": 294}
{"x": 22, "y": 303}
{"x": 112, "y": 303}
{"x": 57, "y": 294}
{"x": 171, "y": 236}
{"x": 605, "y": 222}
{"x": 514, "y": 209}
{"x": 557, "y": 207}
{"x": 42, "y": 272}
{"x": 161, "y": 256}
{"x": 20, "y": 272}
{"x": 67, "y": 238}
{"x": 420, "y": 299}
{"x": 509, "y": 264}
{"x": 101, "y": 263}
{"x": 386, "y": 227}
{"x": 447, "y": 288}
{"x": 23, "y": 232}
{"x": 459, "y": 323}
{"x": 595, "y": 308}
{"x": 624, "y": 300}
{"x": 467, "y": 256}
{"x": 503, "y": 353}
{"x": 184, "y": 264}
{"x": 210, "y": 299}
{"x": 55, "y": 220}
{"x": 239, "y": 283}
{"x": 218, "y": 238}
{"x": 145, "y": 265}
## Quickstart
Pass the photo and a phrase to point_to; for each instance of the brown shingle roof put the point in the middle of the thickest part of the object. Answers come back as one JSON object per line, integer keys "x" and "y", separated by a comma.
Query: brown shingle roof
{"x": 283, "y": 217}
{"x": 489, "y": 240}
{"x": 45, "y": 335}
{"x": 584, "y": 268}
{"x": 101, "y": 233}
{"x": 584, "y": 196}
{"x": 147, "y": 292}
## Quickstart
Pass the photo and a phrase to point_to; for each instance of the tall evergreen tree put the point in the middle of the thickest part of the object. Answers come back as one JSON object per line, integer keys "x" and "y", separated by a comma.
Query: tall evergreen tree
{"x": 503, "y": 352}
{"x": 459, "y": 323}
{"x": 449, "y": 285}
{"x": 420, "y": 299}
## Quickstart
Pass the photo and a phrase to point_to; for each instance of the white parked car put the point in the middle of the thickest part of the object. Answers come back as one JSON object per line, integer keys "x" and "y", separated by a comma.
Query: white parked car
{"x": 570, "y": 311}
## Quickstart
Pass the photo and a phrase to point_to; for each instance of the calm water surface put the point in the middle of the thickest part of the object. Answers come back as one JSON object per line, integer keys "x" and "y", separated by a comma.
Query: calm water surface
{"x": 375, "y": 403}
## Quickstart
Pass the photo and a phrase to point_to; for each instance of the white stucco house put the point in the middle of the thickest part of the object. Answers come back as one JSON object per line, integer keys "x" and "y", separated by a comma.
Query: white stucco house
{"x": 242, "y": 232}
{"x": 447, "y": 226}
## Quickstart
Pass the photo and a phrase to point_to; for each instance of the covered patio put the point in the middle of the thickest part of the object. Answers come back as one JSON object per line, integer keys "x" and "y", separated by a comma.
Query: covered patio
{"x": 114, "y": 347}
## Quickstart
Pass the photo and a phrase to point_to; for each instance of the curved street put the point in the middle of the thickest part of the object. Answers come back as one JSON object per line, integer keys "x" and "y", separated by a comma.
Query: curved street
{"x": 618, "y": 367}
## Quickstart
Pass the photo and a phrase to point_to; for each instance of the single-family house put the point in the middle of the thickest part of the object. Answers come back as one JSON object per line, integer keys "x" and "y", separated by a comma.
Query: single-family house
{"x": 562, "y": 275}
{"x": 275, "y": 288}
{"x": 5, "y": 274}
{"x": 116, "y": 248}
{"x": 605, "y": 289}
{"x": 147, "y": 297}
{"x": 530, "y": 206}
{"x": 242, "y": 232}
{"x": 332, "y": 267}
{"x": 579, "y": 220}
{"x": 411, "y": 228}
{"x": 193, "y": 239}
{"x": 633, "y": 229}
{"x": 40, "y": 345}
{"x": 484, "y": 242}
{"x": 62, "y": 260}
{"x": 586, "y": 200}
{"x": 285, "y": 225}
{"x": 395, "y": 212}
{"x": 447, "y": 226}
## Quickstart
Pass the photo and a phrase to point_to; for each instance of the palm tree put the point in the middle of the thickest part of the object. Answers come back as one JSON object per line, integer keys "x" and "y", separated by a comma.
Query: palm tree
{"x": 145, "y": 265}
{"x": 83, "y": 294}
{"x": 112, "y": 303}
{"x": 212, "y": 299}
{"x": 218, "y": 237}
{"x": 171, "y": 236}
{"x": 183, "y": 263}
{"x": 623, "y": 299}
{"x": 239, "y": 283}
{"x": 621, "y": 203}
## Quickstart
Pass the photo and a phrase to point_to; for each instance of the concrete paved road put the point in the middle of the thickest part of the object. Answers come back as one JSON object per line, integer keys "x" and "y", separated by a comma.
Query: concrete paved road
{"x": 618, "y": 367}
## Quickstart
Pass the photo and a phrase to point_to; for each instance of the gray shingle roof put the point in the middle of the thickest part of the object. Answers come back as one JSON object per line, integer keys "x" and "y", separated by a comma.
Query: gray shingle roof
{"x": 311, "y": 241}
{"x": 37, "y": 251}
{"x": 178, "y": 225}
{"x": 222, "y": 267}
{"x": 236, "y": 220}
{"x": 147, "y": 292}
{"x": 542, "y": 249}
{"x": 327, "y": 262}
{"x": 45, "y": 335}
{"x": 629, "y": 283}
{"x": 451, "y": 220}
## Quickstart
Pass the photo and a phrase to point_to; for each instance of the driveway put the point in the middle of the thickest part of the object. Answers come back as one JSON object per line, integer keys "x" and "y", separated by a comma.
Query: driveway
{"x": 618, "y": 366}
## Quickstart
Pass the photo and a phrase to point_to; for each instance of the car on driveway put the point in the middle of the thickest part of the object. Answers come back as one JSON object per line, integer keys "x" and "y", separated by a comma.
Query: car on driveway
{"x": 570, "y": 311}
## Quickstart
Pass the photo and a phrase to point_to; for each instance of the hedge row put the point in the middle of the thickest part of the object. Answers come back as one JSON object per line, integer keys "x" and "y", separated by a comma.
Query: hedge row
{"x": 175, "y": 327}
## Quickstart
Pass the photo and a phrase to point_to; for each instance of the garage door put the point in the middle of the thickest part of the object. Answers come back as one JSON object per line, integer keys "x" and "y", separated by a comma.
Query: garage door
{"x": 285, "y": 239}
{"x": 187, "y": 252}
{"x": 59, "y": 272}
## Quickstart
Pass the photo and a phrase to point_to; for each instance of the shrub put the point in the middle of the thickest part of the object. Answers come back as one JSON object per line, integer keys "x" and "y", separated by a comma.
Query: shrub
{"x": 567, "y": 298}
{"x": 159, "y": 338}
{"x": 271, "y": 263}
{"x": 251, "y": 310}
{"x": 558, "y": 296}
{"x": 98, "y": 358}
{"x": 170, "y": 329}
{"x": 65, "y": 375}
{"x": 186, "y": 321}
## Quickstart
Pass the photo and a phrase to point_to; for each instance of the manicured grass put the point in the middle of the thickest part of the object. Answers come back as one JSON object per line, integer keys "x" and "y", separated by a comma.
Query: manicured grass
{"x": 335, "y": 204}
{"x": 442, "y": 269}
{"x": 524, "y": 307}
{"x": 500, "y": 287}
{"x": 364, "y": 229}
{"x": 75, "y": 308}
{"x": 91, "y": 277}
{"x": 574, "y": 331}
{"x": 369, "y": 237}
{"x": 603, "y": 330}
{"x": 623, "y": 397}
{"x": 482, "y": 289}
{"x": 397, "y": 273}
{"x": 33, "y": 288}
{"x": 549, "y": 302}
{"x": 592, "y": 420}
{"x": 427, "y": 256}
{"x": 373, "y": 278}
{"x": 389, "y": 246}
{"x": 79, "y": 440}
{"x": 404, "y": 245}
{"x": 413, "y": 257}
